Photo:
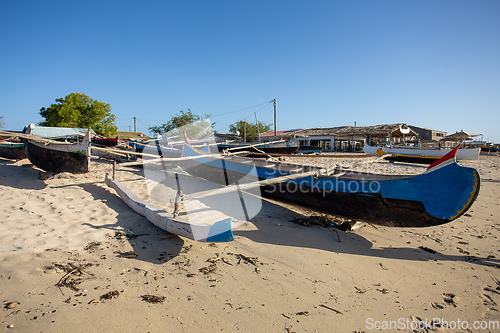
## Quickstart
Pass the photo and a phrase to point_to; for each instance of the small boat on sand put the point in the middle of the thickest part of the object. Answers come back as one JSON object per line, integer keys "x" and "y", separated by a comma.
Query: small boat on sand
{"x": 12, "y": 150}
{"x": 216, "y": 231}
{"x": 56, "y": 156}
{"x": 462, "y": 154}
{"x": 106, "y": 142}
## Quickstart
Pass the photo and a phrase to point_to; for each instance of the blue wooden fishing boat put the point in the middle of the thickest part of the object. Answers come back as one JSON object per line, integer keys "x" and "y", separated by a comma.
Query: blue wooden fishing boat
{"x": 444, "y": 192}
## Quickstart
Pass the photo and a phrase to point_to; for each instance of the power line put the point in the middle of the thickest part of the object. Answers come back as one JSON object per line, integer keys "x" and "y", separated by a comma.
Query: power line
{"x": 250, "y": 107}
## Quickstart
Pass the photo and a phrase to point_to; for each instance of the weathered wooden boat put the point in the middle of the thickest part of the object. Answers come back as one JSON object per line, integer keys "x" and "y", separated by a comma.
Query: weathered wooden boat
{"x": 12, "y": 150}
{"x": 56, "y": 156}
{"x": 440, "y": 195}
{"x": 488, "y": 148}
{"x": 462, "y": 154}
{"x": 107, "y": 142}
{"x": 220, "y": 231}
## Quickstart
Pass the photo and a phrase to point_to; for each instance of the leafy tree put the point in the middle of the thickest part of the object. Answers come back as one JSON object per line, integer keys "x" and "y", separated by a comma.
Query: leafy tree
{"x": 79, "y": 110}
{"x": 251, "y": 129}
{"x": 196, "y": 126}
{"x": 1, "y": 121}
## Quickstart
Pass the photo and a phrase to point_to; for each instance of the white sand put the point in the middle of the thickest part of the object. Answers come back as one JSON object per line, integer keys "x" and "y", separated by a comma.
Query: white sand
{"x": 371, "y": 274}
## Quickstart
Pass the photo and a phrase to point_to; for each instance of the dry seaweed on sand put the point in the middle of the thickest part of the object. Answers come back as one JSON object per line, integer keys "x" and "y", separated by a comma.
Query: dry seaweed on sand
{"x": 91, "y": 246}
{"x": 110, "y": 295}
{"x": 153, "y": 298}
{"x": 75, "y": 274}
{"x": 210, "y": 269}
{"x": 252, "y": 260}
{"x": 322, "y": 220}
{"x": 186, "y": 249}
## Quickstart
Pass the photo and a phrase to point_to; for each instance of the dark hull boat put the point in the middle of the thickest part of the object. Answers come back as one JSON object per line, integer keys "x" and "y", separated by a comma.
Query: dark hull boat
{"x": 107, "y": 142}
{"x": 12, "y": 150}
{"x": 412, "y": 158}
{"x": 441, "y": 194}
{"x": 58, "y": 157}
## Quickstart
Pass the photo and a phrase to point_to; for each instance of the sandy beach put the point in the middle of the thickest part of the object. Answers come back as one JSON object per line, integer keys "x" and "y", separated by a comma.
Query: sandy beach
{"x": 74, "y": 257}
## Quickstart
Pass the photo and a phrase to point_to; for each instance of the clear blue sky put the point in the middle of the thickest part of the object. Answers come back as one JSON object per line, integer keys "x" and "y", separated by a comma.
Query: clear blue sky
{"x": 432, "y": 64}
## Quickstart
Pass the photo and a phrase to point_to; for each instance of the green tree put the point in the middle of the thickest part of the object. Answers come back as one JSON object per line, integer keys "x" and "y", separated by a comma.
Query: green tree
{"x": 1, "y": 121}
{"x": 196, "y": 126}
{"x": 251, "y": 129}
{"x": 79, "y": 110}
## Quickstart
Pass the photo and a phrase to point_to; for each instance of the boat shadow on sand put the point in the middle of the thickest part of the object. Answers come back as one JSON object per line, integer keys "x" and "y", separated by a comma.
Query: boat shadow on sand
{"x": 145, "y": 238}
{"x": 273, "y": 228}
{"x": 24, "y": 178}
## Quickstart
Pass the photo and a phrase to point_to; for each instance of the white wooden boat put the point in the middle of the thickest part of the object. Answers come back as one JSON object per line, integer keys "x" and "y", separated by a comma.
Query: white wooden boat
{"x": 213, "y": 231}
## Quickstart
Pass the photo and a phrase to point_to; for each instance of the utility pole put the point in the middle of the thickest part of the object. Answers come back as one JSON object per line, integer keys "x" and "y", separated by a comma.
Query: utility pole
{"x": 245, "y": 131}
{"x": 274, "y": 119}
{"x": 258, "y": 127}
{"x": 135, "y": 125}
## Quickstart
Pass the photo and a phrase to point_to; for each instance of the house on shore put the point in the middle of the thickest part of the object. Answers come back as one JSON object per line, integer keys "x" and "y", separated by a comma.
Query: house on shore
{"x": 280, "y": 135}
{"x": 348, "y": 138}
{"x": 428, "y": 137}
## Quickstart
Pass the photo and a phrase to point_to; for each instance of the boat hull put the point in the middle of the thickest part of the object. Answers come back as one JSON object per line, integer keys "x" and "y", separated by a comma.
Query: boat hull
{"x": 107, "y": 142}
{"x": 49, "y": 159}
{"x": 11, "y": 150}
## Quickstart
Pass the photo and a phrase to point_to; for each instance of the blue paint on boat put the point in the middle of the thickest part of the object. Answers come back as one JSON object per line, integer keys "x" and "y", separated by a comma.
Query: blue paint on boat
{"x": 221, "y": 231}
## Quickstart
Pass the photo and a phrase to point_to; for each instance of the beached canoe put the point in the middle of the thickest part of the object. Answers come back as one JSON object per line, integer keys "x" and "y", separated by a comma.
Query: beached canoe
{"x": 56, "y": 156}
{"x": 213, "y": 231}
{"x": 12, "y": 150}
{"x": 462, "y": 154}
{"x": 441, "y": 194}
{"x": 107, "y": 142}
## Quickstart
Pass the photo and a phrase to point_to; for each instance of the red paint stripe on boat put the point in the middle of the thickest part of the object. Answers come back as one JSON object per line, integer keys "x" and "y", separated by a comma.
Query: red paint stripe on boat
{"x": 449, "y": 158}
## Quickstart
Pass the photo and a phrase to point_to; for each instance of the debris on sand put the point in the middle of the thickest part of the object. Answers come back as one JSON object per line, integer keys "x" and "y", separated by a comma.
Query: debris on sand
{"x": 110, "y": 295}
{"x": 153, "y": 299}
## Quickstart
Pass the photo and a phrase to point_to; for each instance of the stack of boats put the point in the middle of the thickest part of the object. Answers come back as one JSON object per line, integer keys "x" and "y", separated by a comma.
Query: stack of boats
{"x": 444, "y": 192}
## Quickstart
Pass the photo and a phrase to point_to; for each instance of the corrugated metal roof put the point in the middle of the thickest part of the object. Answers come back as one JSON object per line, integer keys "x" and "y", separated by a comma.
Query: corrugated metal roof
{"x": 59, "y": 132}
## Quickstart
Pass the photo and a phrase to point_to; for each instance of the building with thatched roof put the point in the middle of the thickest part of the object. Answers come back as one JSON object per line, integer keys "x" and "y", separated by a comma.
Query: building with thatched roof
{"x": 280, "y": 135}
{"x": 349, "y": 138}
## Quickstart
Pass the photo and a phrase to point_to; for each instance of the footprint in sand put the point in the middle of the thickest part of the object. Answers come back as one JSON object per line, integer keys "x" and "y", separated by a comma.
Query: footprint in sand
{"x": 488, "y": 300}
{"x": 491, "y": 314}
{"x": 449, "y": 298}
{"x": 437, "y": 306}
